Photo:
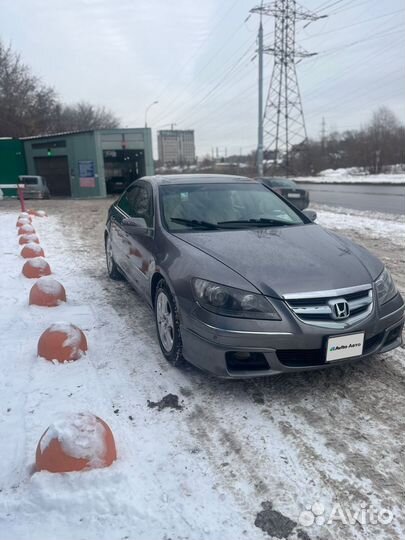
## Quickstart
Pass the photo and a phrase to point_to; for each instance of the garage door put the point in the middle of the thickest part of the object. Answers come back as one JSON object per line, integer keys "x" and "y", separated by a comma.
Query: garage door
{"x": 56, "y": 172}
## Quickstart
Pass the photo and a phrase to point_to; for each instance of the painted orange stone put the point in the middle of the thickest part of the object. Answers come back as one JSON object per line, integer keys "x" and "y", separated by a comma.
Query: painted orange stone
{"x": 26, "y": 229}
{"x": 23, "y": 221}
{"x": 47, "y": 292}
{"x": 62, "y": 342}
{"x": 31, "y": 250}
{"x": 36, "y": 268}
{"x": 76, "y": 442}
{"x": 27, "y": 238}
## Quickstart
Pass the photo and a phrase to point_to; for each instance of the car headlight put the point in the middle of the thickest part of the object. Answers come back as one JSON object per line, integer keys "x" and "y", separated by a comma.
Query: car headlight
{"x": 385, "y": 286}
{"x": 232, "y": 302}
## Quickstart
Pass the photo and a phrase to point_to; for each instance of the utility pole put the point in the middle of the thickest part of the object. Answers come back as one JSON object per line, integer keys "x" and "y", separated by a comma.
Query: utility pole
{"x": 260, "y": 100}
{"x": 283, "y": 119}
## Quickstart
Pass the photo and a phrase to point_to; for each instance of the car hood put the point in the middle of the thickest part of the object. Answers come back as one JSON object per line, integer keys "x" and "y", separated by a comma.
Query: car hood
{"x": 285, "y": 260}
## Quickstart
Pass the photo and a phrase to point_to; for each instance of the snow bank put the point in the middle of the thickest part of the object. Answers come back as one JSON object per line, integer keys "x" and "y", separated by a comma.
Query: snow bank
{"x": 80, "y": 435}
{"x": 352, "y": 176}
{"x": 374, "y": 225}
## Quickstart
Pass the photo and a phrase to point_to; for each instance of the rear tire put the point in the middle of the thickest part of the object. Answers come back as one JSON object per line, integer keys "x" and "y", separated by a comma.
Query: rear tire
{"x": 112, "y": 269}
{"x": 168, "y": 324}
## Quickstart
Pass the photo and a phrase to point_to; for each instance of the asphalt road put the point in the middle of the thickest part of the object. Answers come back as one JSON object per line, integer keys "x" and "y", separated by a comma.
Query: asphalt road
{"x": 387, "y": 199}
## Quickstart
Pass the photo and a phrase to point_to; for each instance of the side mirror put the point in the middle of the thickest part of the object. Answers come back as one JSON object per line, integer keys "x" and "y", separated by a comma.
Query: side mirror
{"x": 135, "y": 225}
{"x": 311, "y": 214}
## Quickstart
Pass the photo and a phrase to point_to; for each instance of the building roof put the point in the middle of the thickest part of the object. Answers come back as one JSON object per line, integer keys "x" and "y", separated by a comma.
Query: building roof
{"x": 60, "y": 134}
{"x": 77, "y": 132}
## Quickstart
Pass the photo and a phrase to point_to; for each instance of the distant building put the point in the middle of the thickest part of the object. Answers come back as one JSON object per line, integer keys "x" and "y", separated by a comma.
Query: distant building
{"x": 176, "y": 146}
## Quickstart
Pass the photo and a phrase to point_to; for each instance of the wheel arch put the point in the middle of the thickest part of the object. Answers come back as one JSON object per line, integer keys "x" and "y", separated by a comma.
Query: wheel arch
{"x": 157, "y": 276}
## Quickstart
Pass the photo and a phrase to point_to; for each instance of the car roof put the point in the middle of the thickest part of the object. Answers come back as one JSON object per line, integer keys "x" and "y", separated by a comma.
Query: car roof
{"x": 274, "y": 179}
{"x": 197, "y": 178}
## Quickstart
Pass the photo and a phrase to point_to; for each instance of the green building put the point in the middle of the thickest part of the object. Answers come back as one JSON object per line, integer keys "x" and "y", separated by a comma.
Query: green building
{"x": 12, "y": 163}
{"x": 78, "y": 164}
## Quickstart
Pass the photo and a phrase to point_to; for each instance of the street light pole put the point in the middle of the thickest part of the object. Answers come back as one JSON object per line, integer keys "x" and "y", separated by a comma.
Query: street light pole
{"x": 146, "y": 111}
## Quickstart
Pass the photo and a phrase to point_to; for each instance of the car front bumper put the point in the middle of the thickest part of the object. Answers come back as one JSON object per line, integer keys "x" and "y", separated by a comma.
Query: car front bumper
{"x": 240, "y": 348}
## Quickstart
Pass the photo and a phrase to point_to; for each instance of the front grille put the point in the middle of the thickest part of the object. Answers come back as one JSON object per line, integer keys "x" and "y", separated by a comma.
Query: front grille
{"x": 317, "y": 308}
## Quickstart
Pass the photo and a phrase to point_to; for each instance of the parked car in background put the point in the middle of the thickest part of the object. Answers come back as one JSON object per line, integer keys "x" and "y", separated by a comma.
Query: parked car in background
{"x": 35, "y": 187}
{"x": 288, "y": 189}
{"x": 244, "y": 284}
{"x": 117, "y": 184}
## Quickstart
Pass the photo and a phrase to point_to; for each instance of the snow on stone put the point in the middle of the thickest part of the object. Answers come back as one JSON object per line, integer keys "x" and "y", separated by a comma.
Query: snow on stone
{"x": 73, "y": 335}
{"x": 80, "y": 435}
{"x": 24, "y": 221}
{"x": 40, "y": 213}
{"x": 33, "y": 246}
{"x": 30, "y": 237}
{"x": 47, "y": 284}
{"x": 23, "y": 215}
{"x": 27, "y": 229}
{"x": 37, "y": 262}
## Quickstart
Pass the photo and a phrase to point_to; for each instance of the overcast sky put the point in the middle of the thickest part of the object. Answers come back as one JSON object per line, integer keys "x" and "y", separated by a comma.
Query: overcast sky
{"x": 196, "y": 58}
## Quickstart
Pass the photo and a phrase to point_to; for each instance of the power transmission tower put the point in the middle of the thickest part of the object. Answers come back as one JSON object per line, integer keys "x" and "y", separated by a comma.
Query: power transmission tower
{"x": 283, "y": 119}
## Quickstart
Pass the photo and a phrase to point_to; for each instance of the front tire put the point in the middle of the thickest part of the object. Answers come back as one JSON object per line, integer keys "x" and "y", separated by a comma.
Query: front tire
{"x": 168, "y": 324}
{"x": 112, "y": 268}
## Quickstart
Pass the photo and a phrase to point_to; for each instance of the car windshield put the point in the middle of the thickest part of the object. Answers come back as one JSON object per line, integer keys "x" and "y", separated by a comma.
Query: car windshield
{"x": 209, "y": 206}
{"x": 279, "y": 182}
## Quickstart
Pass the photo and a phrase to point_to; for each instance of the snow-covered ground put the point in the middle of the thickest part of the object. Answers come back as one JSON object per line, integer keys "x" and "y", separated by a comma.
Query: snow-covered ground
{"x": 345, "y": 176}
{"x": 234, "y": 460}
{"x": 371, "y": 225}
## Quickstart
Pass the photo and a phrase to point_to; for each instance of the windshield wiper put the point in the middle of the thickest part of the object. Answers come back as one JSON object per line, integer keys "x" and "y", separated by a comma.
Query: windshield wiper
{"x": 262, "y": 222}
{"x": 195, "y": 223}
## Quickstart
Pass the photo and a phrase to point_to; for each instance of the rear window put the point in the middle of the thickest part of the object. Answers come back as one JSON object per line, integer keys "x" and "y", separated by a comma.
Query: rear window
{"x": 30, "y": 180}
{"x": 279, "y": 182}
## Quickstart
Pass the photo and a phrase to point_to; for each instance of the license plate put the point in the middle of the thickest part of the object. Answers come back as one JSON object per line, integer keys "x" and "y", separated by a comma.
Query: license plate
{"x": 344, "y": 346}
{"x": 293, "y": 196}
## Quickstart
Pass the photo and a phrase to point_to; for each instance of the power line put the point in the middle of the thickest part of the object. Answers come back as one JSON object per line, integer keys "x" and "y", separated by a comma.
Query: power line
{"x": 204, "y": 66}
{"x": 192, "y": 56}
{"x": 224, "y": 79}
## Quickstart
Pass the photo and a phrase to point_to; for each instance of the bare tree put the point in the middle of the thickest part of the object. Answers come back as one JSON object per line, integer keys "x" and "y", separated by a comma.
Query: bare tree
{"x": 85, "y": 116}
{"x": 28, "y": 107}
{"x": 384, "y": 138}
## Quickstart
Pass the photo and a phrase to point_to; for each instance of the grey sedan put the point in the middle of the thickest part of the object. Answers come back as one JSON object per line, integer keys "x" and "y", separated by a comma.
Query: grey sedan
{"x": 244, "y": 284}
